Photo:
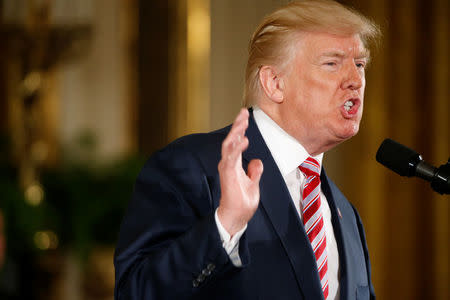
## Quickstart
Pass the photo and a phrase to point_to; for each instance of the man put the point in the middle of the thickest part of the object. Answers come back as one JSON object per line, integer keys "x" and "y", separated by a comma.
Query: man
{"x": 206, "y": 222}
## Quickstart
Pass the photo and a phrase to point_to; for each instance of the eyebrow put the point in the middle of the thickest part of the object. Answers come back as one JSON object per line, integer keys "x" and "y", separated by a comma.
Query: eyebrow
{"x": 333, "y": 54}
{"x": 336, "y": 53}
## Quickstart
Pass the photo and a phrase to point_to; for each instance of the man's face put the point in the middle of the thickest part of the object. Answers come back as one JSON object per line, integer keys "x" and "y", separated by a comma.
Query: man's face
{"x": 324, "y": 90}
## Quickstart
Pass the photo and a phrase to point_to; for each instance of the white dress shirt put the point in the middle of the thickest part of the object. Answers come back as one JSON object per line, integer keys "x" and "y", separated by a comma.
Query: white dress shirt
{"x": 288, "y": 154}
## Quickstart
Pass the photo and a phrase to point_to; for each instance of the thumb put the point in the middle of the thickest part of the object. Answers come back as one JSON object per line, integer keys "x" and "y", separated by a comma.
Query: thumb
{"x": 255, "y": 170}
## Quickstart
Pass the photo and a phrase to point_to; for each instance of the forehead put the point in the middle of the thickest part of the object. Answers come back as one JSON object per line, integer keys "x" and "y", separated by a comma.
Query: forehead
{"x": 317, "y": 44}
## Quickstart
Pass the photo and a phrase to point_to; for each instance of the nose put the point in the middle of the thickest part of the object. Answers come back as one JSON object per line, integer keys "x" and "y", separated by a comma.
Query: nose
{"x": 353, "y": 78}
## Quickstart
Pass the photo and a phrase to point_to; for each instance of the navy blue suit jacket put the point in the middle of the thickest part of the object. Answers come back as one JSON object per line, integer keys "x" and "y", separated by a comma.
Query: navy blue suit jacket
{"x": 169, "y": 246}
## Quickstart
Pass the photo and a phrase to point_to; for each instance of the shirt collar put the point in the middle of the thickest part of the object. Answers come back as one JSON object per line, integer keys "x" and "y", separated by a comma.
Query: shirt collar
{"x": 287, "y": 152}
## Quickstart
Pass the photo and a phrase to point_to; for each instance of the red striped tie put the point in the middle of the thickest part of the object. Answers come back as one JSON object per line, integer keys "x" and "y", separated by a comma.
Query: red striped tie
{"x": 313, "y": 219}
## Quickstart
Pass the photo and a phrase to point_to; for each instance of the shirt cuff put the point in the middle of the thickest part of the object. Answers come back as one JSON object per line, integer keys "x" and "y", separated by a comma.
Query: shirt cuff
{"x": 230, "y": 244}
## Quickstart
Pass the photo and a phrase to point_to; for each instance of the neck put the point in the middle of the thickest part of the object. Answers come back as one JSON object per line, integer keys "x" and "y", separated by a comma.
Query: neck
{"x": 310, "y": 142}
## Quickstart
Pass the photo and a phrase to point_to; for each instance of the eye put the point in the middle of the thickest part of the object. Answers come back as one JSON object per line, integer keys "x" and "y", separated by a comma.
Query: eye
{"x": 330, "y": 63}
{"x": 360, "y": 65}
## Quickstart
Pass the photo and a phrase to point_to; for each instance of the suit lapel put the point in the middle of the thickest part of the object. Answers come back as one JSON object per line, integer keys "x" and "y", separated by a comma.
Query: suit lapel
{"x": 276, "y": 201}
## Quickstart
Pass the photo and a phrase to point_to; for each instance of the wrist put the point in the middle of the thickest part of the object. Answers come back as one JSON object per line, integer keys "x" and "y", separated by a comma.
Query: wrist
{"x": 229, "y": 222}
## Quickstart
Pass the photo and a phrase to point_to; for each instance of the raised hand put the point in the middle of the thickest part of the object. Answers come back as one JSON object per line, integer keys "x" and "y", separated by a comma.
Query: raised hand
{"x": 239, "y": 191}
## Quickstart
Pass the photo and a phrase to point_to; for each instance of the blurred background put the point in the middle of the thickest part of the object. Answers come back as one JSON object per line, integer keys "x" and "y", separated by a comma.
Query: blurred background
{"x": 90, "y": 88}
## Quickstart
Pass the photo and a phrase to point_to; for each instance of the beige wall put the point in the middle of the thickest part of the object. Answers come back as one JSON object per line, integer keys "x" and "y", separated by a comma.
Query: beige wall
{"x": 93, "y": 89}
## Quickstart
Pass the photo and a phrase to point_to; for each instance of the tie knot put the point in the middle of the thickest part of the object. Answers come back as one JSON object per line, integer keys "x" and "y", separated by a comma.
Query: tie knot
{"x": 310, "y": 167}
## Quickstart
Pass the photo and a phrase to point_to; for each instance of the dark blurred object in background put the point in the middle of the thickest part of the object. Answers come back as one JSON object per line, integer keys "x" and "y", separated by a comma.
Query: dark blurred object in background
{"x": 8, "y": 273}
{"x": 76, "y": 209}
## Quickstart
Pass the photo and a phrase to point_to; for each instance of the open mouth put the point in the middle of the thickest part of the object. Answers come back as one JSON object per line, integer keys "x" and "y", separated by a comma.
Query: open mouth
{"x": 348, "y": 105}
{"x": 351, "y": 106}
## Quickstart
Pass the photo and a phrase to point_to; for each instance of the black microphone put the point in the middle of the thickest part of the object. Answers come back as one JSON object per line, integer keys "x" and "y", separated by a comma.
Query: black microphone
{"x": 407, "y": 162}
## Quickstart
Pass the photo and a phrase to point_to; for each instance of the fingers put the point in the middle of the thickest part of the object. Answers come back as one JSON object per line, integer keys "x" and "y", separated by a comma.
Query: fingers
{"x": 238, "y": 128}
{"x": 239, "y": 191}
{"x": 236, "y": 142}
{"x": 241, "y": 120}
{"x": 255, "y": 170}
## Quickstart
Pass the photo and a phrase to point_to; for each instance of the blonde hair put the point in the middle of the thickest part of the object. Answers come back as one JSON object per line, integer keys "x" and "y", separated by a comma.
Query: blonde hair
{"x": 273, "y": 39}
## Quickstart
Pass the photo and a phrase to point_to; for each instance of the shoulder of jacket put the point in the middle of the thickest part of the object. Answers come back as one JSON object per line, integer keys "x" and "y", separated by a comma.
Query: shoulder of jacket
{"x": 203, "y": 148}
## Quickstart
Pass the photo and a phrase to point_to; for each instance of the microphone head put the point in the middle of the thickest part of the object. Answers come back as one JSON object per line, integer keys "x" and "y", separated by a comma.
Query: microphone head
{"x": 398, "y": 158}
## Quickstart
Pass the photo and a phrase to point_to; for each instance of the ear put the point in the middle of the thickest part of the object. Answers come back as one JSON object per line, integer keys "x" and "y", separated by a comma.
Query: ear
{"x": 272, "y": 84}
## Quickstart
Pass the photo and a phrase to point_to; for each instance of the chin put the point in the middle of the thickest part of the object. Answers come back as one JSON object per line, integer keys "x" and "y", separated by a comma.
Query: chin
{"x": 349, "y": 131}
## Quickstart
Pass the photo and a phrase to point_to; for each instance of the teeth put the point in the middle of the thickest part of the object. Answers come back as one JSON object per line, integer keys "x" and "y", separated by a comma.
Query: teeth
{"x": 348, "y": 105}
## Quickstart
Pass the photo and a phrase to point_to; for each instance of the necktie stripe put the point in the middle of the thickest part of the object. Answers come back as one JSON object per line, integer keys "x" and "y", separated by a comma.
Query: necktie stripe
{"x": 311, "y": 208}
{"x": 316, "y": 243}
{"x": 310, "y": 167}
{"x": 322, "y": 263}
{"x": 323, "y": 269}
{"x": 311, "y": 189}
{"x": 325, "y": 285}
{"x": 314, "y": 234}
{"x": 313, "y": 162}
{"x": 310, "y": 170}
{"x": 325, "y": 291}
{"x": 313, "y": 218}
{"x": 310, "y": 192}
{"x": 315, "y": 228}
{"x": 309, "y": 221}
{"x": 320, "y": 249}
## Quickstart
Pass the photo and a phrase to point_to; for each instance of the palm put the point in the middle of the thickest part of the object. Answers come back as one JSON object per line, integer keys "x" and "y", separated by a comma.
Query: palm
{"x": 239, "y": 190}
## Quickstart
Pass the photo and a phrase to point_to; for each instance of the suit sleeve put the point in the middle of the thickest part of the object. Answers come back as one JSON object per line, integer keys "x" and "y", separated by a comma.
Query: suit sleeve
{"x": 169, "y": 246}
{"x": 366, "y": 253}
